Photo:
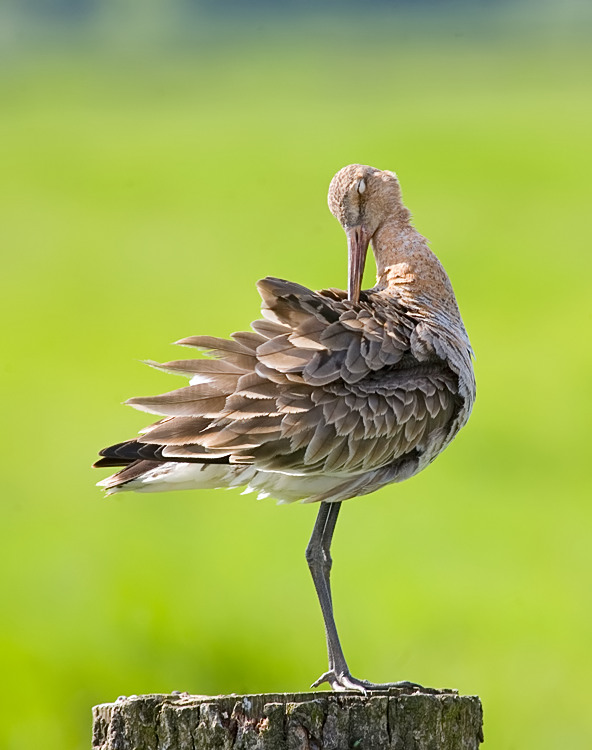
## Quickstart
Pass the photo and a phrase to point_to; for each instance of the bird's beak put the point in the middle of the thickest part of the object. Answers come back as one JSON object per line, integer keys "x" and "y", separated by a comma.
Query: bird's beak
{"x": 357, "y": 247}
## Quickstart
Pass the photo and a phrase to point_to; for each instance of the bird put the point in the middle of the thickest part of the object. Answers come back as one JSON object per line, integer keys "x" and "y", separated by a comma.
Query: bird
{"x": 332, "y": 395}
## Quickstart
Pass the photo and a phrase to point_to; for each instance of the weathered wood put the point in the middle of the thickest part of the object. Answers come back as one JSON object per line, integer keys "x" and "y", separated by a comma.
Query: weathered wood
{"x": 438, "y": 720}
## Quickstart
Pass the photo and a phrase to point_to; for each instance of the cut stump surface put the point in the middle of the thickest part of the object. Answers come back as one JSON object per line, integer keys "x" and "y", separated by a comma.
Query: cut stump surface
{"x": 438, "y": 720}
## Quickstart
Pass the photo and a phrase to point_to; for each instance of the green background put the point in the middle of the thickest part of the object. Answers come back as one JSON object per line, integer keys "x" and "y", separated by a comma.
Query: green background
{"x": 150, "y": 173}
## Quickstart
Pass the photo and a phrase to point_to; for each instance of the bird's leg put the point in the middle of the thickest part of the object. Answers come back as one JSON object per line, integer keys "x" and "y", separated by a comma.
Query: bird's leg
{"x": 318, "y": 556}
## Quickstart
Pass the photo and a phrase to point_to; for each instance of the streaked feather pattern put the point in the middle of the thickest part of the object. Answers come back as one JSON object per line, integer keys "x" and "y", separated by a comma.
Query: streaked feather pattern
{"x": 325, "y": 399}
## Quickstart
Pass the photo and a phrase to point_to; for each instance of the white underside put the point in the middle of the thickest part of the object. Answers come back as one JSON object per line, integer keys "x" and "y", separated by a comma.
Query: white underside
{"x": 285, "y": 488}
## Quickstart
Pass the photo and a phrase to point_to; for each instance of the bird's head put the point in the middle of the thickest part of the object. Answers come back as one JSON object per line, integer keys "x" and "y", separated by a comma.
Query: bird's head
{"x": 362, "y": 198}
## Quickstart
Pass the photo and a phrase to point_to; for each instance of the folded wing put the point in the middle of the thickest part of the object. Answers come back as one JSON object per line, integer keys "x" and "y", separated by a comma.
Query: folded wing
{"x": 324, "y": 399}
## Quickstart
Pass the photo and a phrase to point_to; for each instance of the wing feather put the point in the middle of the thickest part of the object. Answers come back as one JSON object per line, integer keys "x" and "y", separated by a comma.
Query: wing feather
{"x": 319, "y": 387}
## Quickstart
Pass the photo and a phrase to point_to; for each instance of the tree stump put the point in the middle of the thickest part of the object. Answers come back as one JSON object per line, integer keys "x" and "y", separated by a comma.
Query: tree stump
{"x": 394, "y": 720}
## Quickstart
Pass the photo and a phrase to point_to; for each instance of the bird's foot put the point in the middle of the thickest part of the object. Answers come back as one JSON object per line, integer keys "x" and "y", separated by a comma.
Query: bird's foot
{"x": 344, "y": 681}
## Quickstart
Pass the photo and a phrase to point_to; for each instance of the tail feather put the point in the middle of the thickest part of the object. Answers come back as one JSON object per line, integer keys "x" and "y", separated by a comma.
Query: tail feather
{"x": 133, "y": 471}
{"x": 123, "y": 454}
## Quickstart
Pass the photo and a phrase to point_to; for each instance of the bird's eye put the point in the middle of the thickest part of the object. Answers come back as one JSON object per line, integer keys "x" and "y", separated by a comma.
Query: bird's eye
{"x": 361, "y": 185}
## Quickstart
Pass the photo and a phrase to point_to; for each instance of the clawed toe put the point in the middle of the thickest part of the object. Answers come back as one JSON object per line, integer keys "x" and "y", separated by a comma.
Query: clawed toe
{"x": 345, "y": 681}
{"x": 341, "y": 682}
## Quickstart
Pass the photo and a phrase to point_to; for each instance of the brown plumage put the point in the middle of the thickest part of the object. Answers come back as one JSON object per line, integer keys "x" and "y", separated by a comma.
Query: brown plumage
{"x": 332, "y": 395}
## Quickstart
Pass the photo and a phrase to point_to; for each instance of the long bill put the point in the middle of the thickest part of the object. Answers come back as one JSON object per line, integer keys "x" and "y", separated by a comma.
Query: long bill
{"x": 357, "y": 249}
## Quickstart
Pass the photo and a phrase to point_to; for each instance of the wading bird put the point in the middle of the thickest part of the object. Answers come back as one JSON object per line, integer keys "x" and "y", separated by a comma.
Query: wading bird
{"x": 332, "y": 395}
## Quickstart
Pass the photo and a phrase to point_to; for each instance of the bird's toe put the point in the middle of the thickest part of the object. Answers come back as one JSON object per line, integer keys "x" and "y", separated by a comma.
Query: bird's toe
{"x": 345, "y": 681}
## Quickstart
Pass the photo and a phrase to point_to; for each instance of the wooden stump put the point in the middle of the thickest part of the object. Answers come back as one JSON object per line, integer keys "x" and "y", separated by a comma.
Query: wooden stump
{"x": 438, "y": 720}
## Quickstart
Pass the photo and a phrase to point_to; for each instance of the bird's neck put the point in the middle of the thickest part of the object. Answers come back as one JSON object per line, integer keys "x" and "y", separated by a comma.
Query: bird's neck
{"x": 408, "y": 269}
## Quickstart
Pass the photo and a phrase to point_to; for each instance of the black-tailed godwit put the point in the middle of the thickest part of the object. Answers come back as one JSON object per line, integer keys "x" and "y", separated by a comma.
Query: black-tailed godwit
{"x": 330, "y": 397}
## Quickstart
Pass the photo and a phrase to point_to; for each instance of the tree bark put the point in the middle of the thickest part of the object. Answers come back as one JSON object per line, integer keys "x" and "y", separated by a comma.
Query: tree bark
{"x": 438, "y": 720}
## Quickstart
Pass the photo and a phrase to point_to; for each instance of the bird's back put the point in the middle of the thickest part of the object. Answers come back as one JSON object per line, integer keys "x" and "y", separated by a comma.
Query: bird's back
{"x": 326, "y": 399}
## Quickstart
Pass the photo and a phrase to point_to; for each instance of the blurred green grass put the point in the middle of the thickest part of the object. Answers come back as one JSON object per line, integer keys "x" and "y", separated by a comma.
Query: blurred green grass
{"x": 141, "y": 200}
